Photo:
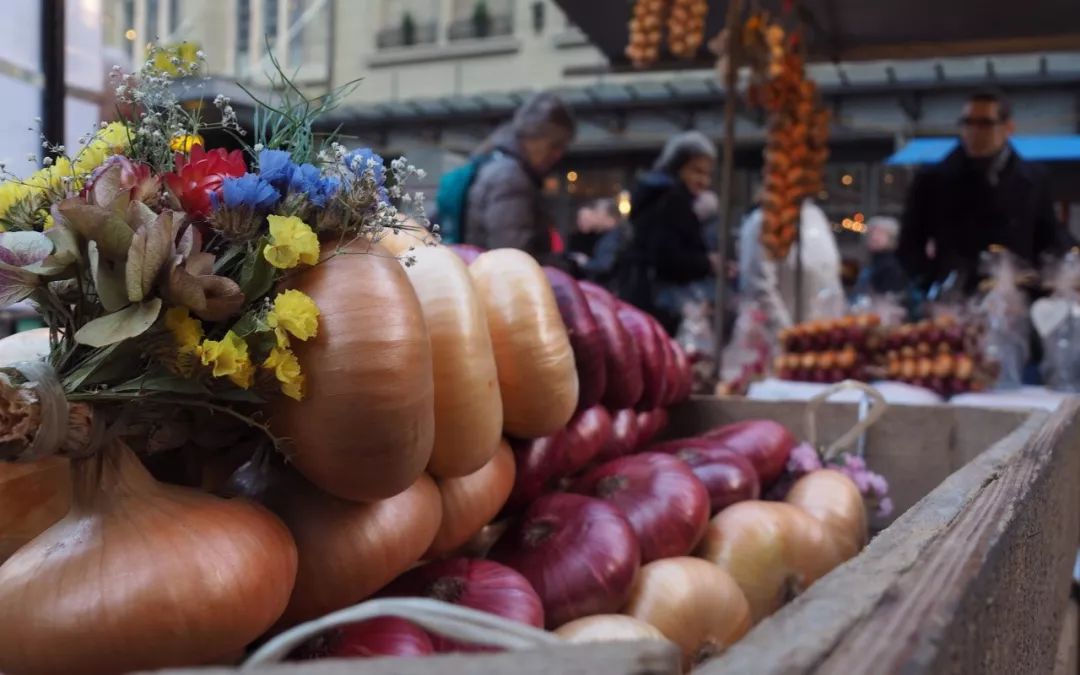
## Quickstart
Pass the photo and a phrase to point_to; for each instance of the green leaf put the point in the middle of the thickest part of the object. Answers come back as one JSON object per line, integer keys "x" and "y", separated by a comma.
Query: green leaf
{"x": 129, "y": 322}
{"x": 108, "y": 280}
{"x": 76, "y": 378}
{"x": 228, "y": 257}
{"x": 256, "y": 275}
{"x": 150, "y": 249}
{"x": 163, "y": 382}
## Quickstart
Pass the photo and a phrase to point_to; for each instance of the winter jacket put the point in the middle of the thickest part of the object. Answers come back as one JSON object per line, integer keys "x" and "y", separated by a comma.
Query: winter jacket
{"x": 505, "y": 207}
{"x": 965, "y": 206}
{"x": 883, "y": 274}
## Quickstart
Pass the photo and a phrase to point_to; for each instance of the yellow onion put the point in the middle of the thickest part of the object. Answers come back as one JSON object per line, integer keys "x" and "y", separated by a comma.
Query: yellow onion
{"x": 142, "y": 575}
{"x": 468, "y": 409}
{"x": 33, "y": 496}
{"x": 349, "y": 550}
{"x": 835, "y": 500}
{"x": 537, "y": 377}
{"x": 694, "y": 603}
{"x": 412, "y": 236}
{"x": 365, "y": 428}
{"x": 470, "y": 502}
{"x": 608, "y": 628}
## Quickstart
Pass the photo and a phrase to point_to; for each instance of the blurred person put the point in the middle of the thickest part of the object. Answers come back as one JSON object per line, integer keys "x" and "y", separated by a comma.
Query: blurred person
{"x": 883, "y": 273}
{"x": 504, "y": 206}
{"x": 601, "y": 236}
{"x": 771, "y": 283}
{"x": 982, "y": 193}
{"x": 668, "y": 262}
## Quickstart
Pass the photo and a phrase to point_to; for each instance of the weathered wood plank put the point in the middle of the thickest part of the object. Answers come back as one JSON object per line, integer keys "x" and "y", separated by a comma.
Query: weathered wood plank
{"x": 1067, "y": 661}
{"x": 626, "y": 658}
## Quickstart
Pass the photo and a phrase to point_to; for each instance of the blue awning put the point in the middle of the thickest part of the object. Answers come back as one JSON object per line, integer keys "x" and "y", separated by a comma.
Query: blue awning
{"x": 1035, "y": 148}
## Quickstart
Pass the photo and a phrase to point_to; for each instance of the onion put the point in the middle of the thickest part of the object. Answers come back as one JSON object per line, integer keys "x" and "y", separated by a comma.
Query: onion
{"x": 467, "y": 252}
{"x": 767, "y": 444}
{"x": 544, "y": 462}
{"x": 140, "y": 576}
{"x": 468, "y": 408}
{"x": 477, "y": 584}
{"x": 665, "y": 503}
{"x": 624, "y": 436}
{"x": 640, "y": 328}
{"x": 670, "y": 373}
{"x": 384, "y": 636}
{"x": 694, "y": 603}
{"x": 835, "y": 500}
{"x": 407, "y": 240}
{"x": 650, "y": 424}
{"x": 537, "y": 376}
{"x": 608, "y": 628}
{"x": 622, "y": 361}
{"x": 683, "y": 373}
{"x": 470, "y": 502}
{"x": 586, "y": 338}
{"x": 349, "y": 550}
{"x": 773, "y": 550}
{"x": 33, "y": 496}
{"x": 579, "y": 554}
{"x": 728, "y": 476}
{"x": 368, "y": 370}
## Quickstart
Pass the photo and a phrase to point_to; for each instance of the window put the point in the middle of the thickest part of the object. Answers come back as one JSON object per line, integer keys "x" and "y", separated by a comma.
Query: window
{"x": 408, "y": 22}
{"x": 243, "y": 37}
{"x": 479, "y": 19}
{"x": 270, "y": 24}
{"x": 298, "y": 31}
{"x": 152, "y": 31}
{"x": 307, "y": 37}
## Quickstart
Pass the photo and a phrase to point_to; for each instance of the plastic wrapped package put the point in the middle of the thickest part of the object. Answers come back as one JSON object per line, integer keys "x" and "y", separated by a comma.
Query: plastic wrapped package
{"x": 1004, "y": 309}
{"x": 1057, "y": 321}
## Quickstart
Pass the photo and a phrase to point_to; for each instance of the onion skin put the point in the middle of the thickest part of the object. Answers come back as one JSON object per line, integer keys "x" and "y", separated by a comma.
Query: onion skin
{"x": 693, "y": 603}
{"x": 586, "y": 338}
{"x": 369, "y": 368}
{"x": 650, "y": 424}
{"x": 349, "y": 550}
{"x": 728, "y": 476}
{"x": 478, "y": 584}
{"x": 767, "y": 444}
{"x": 382, "y": 636}
{"x": 141, "y": 576}
{"x": 773, "y": 550}
{"x": 622, "y": 360}
{"x": 544, "y": 462}
{"x": 579, "y": 554}
{"x": 470, "y": 502}
{"x": 467, "y": 252}
{"x": 624, "y": 436}
{"x": 537, "y": 375}
{"x": 639, "y": 326}
{"x": 836, "y": 502}
{"x": 468, "y": 406}
{"x": 608, "y": 628}
{"x": 33, "y": 496}
{"x": 666, "y": 504}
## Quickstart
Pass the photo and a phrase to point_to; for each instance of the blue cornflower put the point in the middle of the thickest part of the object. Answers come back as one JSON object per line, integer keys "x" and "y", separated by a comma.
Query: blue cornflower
{"x": 276, "y": 167}
{"x": 308, "y": 180}
{"x": 360, "y": 160}
{"x": 248, "y": 191}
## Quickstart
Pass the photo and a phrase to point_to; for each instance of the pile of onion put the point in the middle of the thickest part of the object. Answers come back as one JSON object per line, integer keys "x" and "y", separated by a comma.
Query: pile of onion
{"x": 624, "y": 436}
{"x": 766, "y": 443}
{"x": 639, "y": 326}
{"x": 140, "y": 576}
{"x": 622, "y": 361}
{"x": 470, "y": 502}
{"x": 468, "y": 407}
{"x": 608, "y": 628}
{"x": 728, "y": 476}
{"x": 586, "y": 337}
{"x": 368, "y": 370}
{"x": 383, "y": 636}
{"x": 537, "y": 376}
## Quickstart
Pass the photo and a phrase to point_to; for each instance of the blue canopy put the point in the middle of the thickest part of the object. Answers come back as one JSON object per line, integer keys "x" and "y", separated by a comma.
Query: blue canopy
{"x": 1035, "y": 148}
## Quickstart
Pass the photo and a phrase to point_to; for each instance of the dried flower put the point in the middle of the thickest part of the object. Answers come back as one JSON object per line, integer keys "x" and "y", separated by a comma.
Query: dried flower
{"x": 187, "y": 331}
{"x": 295, "y": 313}
{"x": 228, "y": 357}
{"x": 286, "y": 369}
{"x": 291, "y": 243}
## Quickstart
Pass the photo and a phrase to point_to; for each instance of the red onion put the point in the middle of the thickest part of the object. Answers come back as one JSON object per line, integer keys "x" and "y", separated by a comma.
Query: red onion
{"x": 650, "y": 424}
{"x": 669, "y": 388}
{"x": 728, "y": 476}
{"x": 586, "y": 338}
{"x": 639, "y": 325}
{"x": 622, "y": 360}
{"x": 666, "y": 504}
{"x": 767, "y": 444}
{"x": 579, "y": 553}
{"x": 384, "y": 636}
{"x": 624, "y": 436}
{"x": 478, "y": 584}
{"x": 542, "y": 462}
{"x": 598, "y": 292}
{"x": 467, "y": 252}
{"x": 685, "y": 373}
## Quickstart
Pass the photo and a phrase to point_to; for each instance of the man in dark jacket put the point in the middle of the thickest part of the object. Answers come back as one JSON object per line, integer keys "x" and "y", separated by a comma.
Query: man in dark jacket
{"x": 983, "y": 193}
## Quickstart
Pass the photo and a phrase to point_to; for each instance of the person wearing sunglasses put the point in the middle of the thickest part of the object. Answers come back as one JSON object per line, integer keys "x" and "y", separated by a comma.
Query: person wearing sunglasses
{"x": 981, "y": 194}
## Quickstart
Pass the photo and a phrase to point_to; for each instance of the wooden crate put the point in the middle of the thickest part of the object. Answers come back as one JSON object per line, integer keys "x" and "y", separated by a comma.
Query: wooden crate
{"x": 971, "y": 576}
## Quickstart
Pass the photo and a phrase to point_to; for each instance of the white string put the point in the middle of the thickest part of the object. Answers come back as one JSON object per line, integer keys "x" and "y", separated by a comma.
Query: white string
{"x": 451, "y": 621}
{"x": 53, "y": 427}
{"x": 853, "y": 434}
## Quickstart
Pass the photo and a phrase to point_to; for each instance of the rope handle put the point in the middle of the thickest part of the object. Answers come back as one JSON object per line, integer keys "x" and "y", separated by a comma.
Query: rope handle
{"x": 451, "y": 621}
{"x": 856, "y": 432}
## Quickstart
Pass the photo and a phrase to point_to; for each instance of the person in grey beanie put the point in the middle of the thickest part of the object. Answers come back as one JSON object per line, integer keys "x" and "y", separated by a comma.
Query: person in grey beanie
{"x": 505, "y": 206}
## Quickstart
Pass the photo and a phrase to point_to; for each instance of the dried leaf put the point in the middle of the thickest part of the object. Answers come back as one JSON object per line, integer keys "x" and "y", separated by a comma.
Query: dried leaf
{"x": 190, "y": 237}
{"x": 150, "y": 249}
{"x": 200, "y": 264}
{"x": 184, "y": 289}
{"x": 132, "y": 321}
{"x": 224, "y": 299}
{"x": 108, "y": 229}
{"x": 65, "y": 250}
{"x": 140, "y": 215}
{"x": 107, "y": 185}
{"x": 108, "y": 279}
{"x": 21, "y": 249}
{"x": 16, "y": 284}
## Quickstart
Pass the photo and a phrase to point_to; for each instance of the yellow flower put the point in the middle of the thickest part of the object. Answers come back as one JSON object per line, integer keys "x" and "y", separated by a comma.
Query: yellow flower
{"x": 52, "y": 177}
{"x": 291, "y": 242}
{"x": 287, "y": 371}
{"x": 229, "y": 358}
{"x": 184, "y": 142}
{"x": 296, "y": 313}
{"x": 185, "y": 330}
{"x": 11, "y": 192}
{"x": 111, "y": 140}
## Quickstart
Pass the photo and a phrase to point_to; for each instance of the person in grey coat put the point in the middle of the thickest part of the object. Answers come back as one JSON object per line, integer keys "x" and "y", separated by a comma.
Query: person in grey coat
{"x": 505, "y": 205}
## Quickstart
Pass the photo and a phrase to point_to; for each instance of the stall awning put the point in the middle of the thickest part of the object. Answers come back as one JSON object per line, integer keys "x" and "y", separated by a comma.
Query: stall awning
{"x": 1035, "y": 148}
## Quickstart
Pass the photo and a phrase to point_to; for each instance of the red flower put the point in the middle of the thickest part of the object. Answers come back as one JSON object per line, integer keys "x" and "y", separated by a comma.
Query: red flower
{"x": 199, "y": 175}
